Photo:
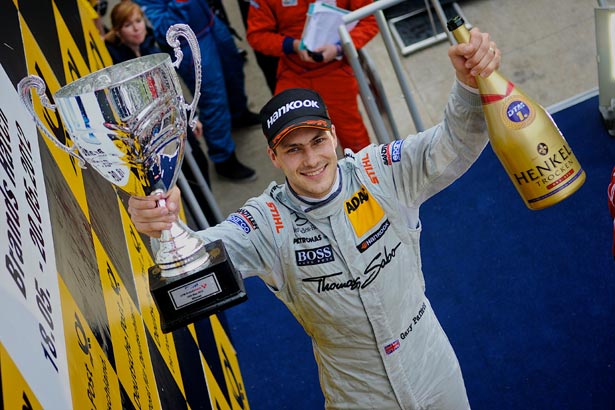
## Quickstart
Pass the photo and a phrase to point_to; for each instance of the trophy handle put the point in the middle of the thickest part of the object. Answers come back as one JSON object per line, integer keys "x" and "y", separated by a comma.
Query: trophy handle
{"x": 37, "y": 83}
{"x": 185, "y": 31}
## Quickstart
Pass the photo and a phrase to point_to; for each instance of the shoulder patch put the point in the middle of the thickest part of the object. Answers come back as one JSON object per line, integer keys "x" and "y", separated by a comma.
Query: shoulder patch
{"x": 391, "y": 152}
{"x": 244, "y": 219}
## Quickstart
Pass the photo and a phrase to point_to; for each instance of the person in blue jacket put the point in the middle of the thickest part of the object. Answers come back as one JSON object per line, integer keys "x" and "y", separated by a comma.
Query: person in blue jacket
{"x": 129, "y": 37}
{"x": 223, "y": 102}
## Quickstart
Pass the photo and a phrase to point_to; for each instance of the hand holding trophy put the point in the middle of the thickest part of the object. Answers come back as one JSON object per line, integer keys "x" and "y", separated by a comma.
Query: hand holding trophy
{"x": 128, "y": 122}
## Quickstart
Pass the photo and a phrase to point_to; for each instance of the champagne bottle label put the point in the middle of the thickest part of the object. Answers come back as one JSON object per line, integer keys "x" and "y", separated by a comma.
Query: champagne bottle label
{"x": 537, "y": 158}
{"x": 517, "y": 113}
{"x": 534, "y": 153}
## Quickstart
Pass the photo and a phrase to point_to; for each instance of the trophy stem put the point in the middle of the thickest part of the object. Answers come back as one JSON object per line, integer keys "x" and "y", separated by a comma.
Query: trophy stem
{"x": 181, "y": 251}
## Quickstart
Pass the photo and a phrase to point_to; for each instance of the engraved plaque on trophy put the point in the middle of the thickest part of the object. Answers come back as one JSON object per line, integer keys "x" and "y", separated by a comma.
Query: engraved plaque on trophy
{"x": 128, "y": 122}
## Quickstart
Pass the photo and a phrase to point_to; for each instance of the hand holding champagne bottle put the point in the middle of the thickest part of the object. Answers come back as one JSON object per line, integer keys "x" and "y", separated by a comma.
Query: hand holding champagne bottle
{"x": 534, "y": 153}
{"x": 479, "y": 56}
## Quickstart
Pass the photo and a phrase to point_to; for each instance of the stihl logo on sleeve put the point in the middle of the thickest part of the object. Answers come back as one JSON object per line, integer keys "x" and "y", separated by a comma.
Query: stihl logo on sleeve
{"x": 277, "y": 219}
{"x": 369, "y": 169}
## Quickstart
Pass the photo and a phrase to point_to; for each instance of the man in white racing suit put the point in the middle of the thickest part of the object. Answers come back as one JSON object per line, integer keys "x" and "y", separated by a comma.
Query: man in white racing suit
{"x": 338, "y": 243}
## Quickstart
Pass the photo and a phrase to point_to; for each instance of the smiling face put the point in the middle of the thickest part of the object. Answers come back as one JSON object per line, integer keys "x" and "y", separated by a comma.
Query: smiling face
{"x": 308, "y": 159}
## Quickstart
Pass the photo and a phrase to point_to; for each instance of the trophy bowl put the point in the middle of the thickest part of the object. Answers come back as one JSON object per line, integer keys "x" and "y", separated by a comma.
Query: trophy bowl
{"x": 128, "y": 122}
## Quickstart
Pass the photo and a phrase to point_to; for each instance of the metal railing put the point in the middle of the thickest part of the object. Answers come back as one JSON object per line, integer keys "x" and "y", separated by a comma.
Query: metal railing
{"x": 367, "y": 96}
{"x": 372, "y": 93}
{"x": 194, "y": 207}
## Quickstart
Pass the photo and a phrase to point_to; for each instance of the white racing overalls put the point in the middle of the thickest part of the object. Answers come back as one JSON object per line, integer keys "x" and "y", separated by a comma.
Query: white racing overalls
{"x": 349, "y": 268}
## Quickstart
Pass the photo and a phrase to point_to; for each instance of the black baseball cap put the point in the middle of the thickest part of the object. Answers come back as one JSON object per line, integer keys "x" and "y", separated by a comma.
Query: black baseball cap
{"x": 291, "y": 109}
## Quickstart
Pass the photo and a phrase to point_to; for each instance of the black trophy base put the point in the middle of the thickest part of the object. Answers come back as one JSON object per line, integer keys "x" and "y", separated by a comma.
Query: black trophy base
{"x": 186, "y": 298}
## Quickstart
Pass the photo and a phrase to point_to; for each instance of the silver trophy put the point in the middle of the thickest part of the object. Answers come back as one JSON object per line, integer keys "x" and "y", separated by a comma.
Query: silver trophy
{"x": 128, "y": 122}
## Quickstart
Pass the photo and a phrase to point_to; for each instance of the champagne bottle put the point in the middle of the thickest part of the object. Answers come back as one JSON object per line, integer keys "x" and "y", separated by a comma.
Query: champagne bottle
{"x": 524, "y": 137}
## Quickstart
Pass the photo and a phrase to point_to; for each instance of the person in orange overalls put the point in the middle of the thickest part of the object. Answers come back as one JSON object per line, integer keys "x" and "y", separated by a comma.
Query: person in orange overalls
{"x": 275, "y": 28}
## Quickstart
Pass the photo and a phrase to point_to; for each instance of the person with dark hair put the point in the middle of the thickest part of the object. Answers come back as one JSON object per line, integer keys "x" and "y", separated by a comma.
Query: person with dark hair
{"x": 338, "y": 243}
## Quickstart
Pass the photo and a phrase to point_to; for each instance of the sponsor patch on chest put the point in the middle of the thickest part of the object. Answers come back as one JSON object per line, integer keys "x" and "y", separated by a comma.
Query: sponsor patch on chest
{"x": 289, "y": 3}
{"x": 314, "y": 256}
{"x": 373, "y": 238}
{"x": 363, "y": 211}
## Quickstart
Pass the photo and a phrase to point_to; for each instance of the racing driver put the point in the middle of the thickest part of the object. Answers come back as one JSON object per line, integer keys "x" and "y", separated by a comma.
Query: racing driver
{"x": 338, "y": 243}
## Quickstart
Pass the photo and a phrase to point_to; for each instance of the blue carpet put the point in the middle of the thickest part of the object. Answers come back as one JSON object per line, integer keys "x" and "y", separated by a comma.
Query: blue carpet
{"x": 527, "y": 298}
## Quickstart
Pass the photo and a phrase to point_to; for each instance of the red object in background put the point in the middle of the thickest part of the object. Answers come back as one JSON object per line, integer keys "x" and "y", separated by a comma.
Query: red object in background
{"x": 611, "y": 194}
